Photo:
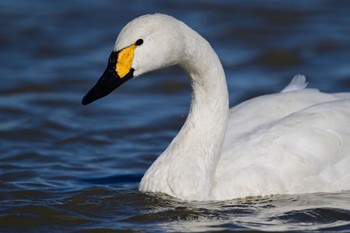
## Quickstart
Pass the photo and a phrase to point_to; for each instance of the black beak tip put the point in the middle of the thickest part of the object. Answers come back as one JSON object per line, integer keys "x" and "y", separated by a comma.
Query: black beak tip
{"x": 105, "y": 85}
{"x": 87, "y": 99}
{"x": 84, "y": 102}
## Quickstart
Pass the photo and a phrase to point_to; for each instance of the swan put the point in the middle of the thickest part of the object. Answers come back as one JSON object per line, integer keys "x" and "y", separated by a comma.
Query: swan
{"x": 292, "y": 142}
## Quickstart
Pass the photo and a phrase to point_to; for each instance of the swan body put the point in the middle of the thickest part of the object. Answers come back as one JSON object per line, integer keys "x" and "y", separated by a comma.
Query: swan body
{"x": 295, "y": 141}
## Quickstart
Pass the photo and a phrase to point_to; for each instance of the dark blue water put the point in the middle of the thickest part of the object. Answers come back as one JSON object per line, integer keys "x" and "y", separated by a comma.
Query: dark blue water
{"x": 65, "y": 167}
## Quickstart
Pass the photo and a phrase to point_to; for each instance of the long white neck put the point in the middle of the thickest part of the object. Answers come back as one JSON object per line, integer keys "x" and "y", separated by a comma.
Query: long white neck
{"x": 186, "y": 168}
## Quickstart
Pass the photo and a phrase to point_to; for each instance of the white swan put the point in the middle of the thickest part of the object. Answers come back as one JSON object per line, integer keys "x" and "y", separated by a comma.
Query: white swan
{"x": 296, "y": 141}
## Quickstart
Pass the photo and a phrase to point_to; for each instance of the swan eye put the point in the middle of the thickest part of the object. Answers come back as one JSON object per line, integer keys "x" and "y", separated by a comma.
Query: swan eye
{"x": 139, "y": 42}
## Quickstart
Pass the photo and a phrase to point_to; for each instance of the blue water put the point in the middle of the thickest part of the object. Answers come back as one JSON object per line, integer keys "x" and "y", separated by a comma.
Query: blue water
{"x": 65, "y": 167}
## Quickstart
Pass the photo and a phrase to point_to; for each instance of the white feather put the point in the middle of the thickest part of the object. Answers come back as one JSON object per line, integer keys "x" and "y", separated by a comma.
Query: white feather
{"x": 298, "y": 83}
{"x": 296, "y": 141}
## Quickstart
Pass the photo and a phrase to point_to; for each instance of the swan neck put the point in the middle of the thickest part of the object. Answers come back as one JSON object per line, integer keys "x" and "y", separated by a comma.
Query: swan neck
{"x": 186, "y": 168}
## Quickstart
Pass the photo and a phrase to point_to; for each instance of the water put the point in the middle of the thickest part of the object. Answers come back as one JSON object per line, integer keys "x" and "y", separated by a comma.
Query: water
{"x": 65, "y": 167}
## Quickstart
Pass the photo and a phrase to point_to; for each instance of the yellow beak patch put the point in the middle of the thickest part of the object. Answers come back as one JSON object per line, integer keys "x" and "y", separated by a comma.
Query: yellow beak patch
{"x": 124, "y": 60}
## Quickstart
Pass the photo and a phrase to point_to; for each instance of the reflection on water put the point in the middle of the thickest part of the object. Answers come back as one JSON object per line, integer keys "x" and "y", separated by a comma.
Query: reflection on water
{"x": 65, "y": 167}
{"x": 102, "y": 208}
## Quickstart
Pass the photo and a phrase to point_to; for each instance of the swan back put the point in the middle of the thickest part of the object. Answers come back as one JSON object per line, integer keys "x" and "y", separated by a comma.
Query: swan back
{"x": 296, "y": 141}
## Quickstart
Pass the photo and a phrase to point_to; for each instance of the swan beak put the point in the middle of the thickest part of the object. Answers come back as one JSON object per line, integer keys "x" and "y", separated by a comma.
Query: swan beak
{"x": 109, "y": 81}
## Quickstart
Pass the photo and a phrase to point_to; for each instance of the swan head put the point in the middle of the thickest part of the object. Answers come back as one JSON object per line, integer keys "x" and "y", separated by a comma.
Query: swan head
{"x": 147, "y": 43}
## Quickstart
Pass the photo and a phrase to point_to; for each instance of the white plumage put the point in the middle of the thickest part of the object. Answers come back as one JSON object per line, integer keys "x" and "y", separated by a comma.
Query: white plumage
{"x": 295, "y": 141}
